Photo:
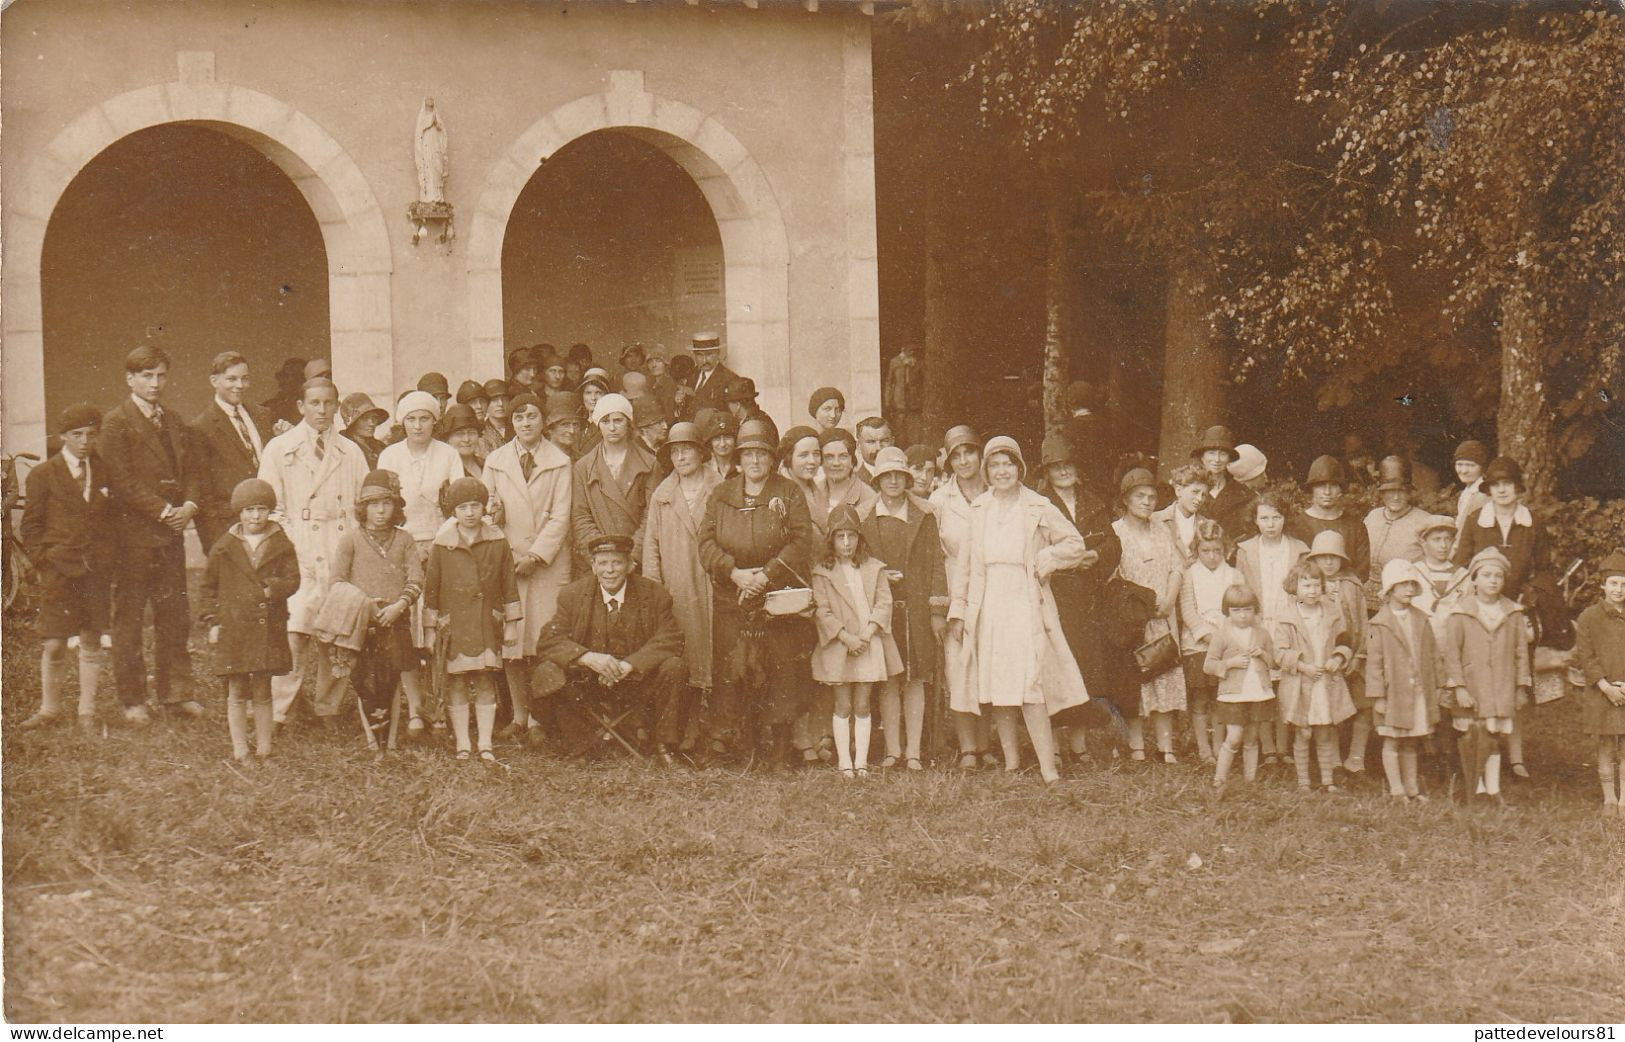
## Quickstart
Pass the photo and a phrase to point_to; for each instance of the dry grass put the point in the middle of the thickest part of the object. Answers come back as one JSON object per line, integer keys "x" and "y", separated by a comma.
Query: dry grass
{"x": 147, "y": 880}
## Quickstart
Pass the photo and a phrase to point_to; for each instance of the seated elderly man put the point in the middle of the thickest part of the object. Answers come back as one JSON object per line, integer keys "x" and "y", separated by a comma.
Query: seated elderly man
{"x": 617, "y": 631}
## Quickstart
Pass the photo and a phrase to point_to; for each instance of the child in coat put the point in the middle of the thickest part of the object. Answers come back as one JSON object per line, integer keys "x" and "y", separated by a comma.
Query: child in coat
{"x": 471, "y": 606}
{"x": 1313, "y": 653}
{"x": 1190, "y": 492}
{"x": 1264, "y": 562}
{"x": 855, "y": 646}
{"x": 1201, "y": 612}
{"x": 67, "y": 527}
{"x": 1599, "y": 653}
{"x": 252, "y": 571}
{"x": 1242, "y": 656}
{"x": 1487, "y": 669}
{"x": 1345, "y": 588}
{"x": 1401, "y": 678}
{"x": 381, "y": 559}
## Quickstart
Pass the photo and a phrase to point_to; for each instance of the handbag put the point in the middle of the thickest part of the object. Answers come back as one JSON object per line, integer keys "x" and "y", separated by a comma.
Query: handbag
{"x": 797, "y": 600}
{"x": 1157, "y": 656}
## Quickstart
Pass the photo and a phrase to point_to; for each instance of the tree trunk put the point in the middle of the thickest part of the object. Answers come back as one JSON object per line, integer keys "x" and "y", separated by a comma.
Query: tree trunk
{"x": 1193, "y": 369}
{"x": 1059, "y": 309}
{"x": 1524, "y": 421}
{"x": 942, "y": 370}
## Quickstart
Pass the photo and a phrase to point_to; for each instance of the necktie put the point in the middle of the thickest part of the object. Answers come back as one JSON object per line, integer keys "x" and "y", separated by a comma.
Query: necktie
{"x": 84, "y": 472}
{"x": 158, "y": 416}
{"x": 321, "y": 445}
{"x": 242, "y": 432}
{"x": 527, "y": 463}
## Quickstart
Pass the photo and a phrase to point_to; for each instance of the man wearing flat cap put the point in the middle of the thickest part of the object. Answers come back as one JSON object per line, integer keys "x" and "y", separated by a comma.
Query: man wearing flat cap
{"x": 709, "y": 386}
{"x": 617, "y": 632}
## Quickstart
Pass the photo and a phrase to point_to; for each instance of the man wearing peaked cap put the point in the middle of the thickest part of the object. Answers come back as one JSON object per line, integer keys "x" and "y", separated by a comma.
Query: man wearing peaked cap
{"x": 709, "y": 385}
{"x": 616, "y": 637}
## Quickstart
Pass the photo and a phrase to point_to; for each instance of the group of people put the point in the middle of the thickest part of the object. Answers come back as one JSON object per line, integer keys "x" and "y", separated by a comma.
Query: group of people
{"x": 648, "y": 553}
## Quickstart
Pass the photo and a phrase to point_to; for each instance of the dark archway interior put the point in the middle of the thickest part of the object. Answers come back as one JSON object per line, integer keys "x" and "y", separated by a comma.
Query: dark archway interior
{"x": 189, "y": 239}
{"x": 610, "y": 243}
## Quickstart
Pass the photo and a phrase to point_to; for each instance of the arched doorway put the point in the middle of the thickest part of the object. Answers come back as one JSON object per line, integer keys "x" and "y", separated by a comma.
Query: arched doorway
{"x": 359, "y": 264}
{"x": 611, "y": 242}
{"x": 756, "y": 253}
{"x": 185, "y": 238}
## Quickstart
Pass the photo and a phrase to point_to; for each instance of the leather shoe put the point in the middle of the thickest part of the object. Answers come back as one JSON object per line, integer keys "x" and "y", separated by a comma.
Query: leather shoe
{"x": 137, "y": 716}
{"x": 40, "y": 719}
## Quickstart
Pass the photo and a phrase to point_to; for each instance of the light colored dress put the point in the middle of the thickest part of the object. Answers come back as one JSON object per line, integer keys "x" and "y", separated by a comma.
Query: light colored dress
{"x": 952, "y": 510}
{"x": 1149, "y": 559}
{"x": 1009, "y": 632}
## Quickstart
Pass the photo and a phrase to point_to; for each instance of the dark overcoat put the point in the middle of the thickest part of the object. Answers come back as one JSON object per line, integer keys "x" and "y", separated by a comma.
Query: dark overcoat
{"x": 249, "y": 602}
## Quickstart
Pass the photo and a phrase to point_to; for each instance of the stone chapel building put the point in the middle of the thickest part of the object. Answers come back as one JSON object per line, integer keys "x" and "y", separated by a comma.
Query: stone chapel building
{"x": 248, "y": 174}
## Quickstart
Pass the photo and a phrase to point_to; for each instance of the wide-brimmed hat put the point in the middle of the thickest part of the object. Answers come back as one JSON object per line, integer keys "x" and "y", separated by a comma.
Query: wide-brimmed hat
{"x": 1327, "y": 470}
{"x": 1007, "y": 445}
{"x": 822, "y": 395}
{"x": 1503, "y": 468}
{"x": 460, "y": 417}
{"x": 889, "y": 460}
{"x": 252, "y": 492}
{"x": 740, "y": 389}
{"x": 1329, "y": 543}
{"x": 1216, "y": 437}
{"x": 1249, "y": 463}
{"x": 1137, "y": 477}
{"x": 1394, "y": 474}
{"x": 357, "y": 404}
{"x": 469, "y": 390}
{"x": 1396, "y": 571}
{"x": 756, "y": 434}
{"x": 1056, "y": 449}
{"x": 1613, "y": 564}
{"x": 1472, "y": 452}
{"x": 416, "y": 401}
{"x": 959, "y": 435}
{"x": 560, "y": 406}
{"x": 1490, "y": 555}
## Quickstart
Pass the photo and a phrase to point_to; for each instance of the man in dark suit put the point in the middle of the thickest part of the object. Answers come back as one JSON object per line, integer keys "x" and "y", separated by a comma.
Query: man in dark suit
{"x": 156, "y": 483}
{"x": 229, "y": 436}
{"x": 709, "y": 387}
{"x": 67, "y": 528}
{"x": 617, "y": 631}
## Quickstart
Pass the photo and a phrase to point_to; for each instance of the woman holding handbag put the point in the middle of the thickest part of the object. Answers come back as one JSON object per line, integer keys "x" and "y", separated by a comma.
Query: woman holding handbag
{"x": 1150, "y": 559}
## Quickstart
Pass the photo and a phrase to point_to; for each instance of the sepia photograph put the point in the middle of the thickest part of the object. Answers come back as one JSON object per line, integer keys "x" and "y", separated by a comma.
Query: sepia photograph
{"x": 860, "y": 512}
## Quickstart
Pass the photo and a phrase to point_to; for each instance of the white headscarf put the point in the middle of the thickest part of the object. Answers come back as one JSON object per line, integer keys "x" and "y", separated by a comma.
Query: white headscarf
{"x": 609, "y": 405}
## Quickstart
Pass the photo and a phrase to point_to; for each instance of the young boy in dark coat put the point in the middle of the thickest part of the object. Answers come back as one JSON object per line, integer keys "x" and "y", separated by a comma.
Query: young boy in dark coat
{"x": 252, "y": 571}
{"x": 67, "y": 528}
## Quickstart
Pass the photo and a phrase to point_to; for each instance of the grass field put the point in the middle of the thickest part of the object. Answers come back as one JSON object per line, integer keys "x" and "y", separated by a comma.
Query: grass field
{"x": 145, "y": 879}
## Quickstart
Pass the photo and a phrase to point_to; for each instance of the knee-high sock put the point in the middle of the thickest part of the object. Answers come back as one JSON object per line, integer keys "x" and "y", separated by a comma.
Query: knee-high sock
{"x": 1136, "y": 734}
{"x": 1036, "y": 715}
{"x": 1227, "y": 756}
{"x": 1300, "y": 755}
{"x": 891, "y": 720}
{"x": 1407, "y": 768}
{"x": 90, "y": 673}
{"x": 52, "y": 664}
{"x": 1359, "y": 738}
{"x": 914, "y": 717}
{"x": 1163, "y": 723}
{"x": 1605, "y": 774}
{"x": 459, "y": 724}
{"x": 262, "y": 727}
{"x": 237, "y": 723}
{"x": 1200, "y": 725}
{"x": 1515, "y": 742}
{"x": 1390, "y": 767}
{"x": 860, "y": 741}
{"x": 1492, "y": 773}
{"x": 1326, "y": 753}
{"x": 485, "y": 714}
{"x": 843, "y": 740}
{"x": 1249, "y": 761}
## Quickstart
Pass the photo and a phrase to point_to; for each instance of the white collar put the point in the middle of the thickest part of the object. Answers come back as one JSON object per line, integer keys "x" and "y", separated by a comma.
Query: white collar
{"x": 616, "y": 599}
{"x": 147, "y": 408}
{"x": 1520, "y": 516}
{"x": 75, "y": 463}
{"x": 229, "y": 409}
